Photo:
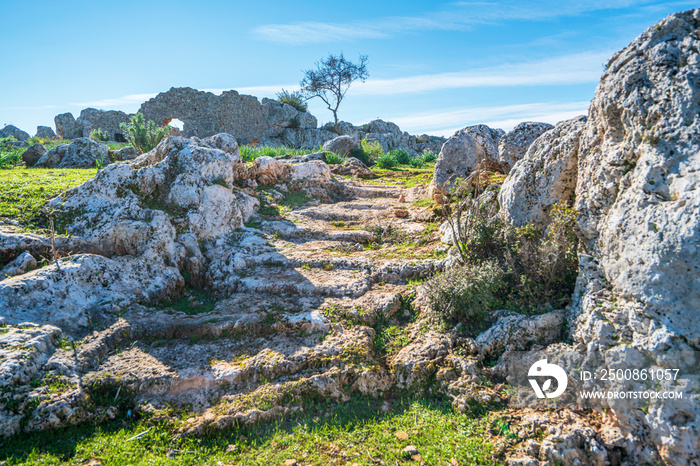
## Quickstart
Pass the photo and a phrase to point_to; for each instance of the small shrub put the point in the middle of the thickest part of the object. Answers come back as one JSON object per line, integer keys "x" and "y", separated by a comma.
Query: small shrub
{"x": 334, "y": 159}
{"x": 372, "y": 149}
{"x": 99, "y": 135}
{"x": 429, "y": 156}
{"x": 416, "y": 162}
{"x": 143, "y": 135}
{"x": 467, "y": 293}
{"x": 295, "y": 122}
{"x": 360, "y": 155}
{"x": 294, "y": 98}
{"x": 387, "y": 161}
{"x": 401, "y": 155}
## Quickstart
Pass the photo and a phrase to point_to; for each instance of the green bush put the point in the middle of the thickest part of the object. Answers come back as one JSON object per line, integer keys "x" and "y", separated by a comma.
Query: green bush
{"x": 10, "y": 156}
{"x": 387, "y": 161}
{"x": 429, "y": 156}
{"x": 144, "y": 136}
{"x": 334, "y": 159}
{"x": 99, "y": 135}
{"x": 360, "y": 155}
{"x": 416, "y": 162}
{"x": 372, "y": 149}
{"x": 249, "y": 153}
{"x": 402, "y": 156}
{"x": 538, "y": 266}
{"x": 467, "y": 293}
{"x": 294, "y": 98}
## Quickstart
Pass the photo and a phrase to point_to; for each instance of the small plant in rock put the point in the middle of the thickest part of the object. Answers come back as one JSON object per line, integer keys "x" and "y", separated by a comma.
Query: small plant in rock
{"x": 143, "y": 135}
{"x": 99, "y": 135}
{"x": 334, "y": 159}
{"x": 295, "y": 99}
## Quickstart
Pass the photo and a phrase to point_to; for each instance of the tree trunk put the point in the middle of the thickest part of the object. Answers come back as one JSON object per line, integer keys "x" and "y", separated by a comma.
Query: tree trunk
{"x": 335, "y": 124}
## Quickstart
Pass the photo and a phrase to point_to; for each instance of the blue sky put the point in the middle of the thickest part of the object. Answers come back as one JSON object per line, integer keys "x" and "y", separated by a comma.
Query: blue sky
{"x": 434, "y": 66}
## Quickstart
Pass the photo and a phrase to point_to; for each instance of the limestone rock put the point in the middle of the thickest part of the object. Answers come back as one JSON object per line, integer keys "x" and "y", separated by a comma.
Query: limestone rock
{"x": 463, "y": 153}
{"x": 81, "y": 153}
{"x": 32, "y": 155}
{"x": 285, "y": 116}
{"x": 639, "y": 215}
{"x": 66, "y": 126}
{"x": 342, "y": 145}
{"x": 108, "y": 121}
{"x": 315, "y": 171}
{"x": 353, "y": 167}
{"x": 267, "y": 170}
{"x": 517, "y": 332}
{"x": 544, "y": 177}
{"x": 125, "y": 153}
{"x": 513, "y": 146}
{"x": 11, "y": 130}
{"x": 45, "y": 132}
{"x": 20, "y": 265}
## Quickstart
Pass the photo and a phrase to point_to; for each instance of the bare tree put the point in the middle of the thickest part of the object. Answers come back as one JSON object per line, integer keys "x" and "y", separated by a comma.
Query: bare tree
{"x": 331, "y": 80}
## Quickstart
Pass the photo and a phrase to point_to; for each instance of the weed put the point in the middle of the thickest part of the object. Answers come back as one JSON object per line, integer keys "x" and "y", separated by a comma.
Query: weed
{"x": 143, "y": 135}
{"x": 333, "y": 159}
{"x": 99, "y": 135}
{"x": 295, "y": 99}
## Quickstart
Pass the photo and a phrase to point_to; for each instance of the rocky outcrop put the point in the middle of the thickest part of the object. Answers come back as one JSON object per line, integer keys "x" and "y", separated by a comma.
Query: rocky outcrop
{"x": 639, "y": 219}
{"x": 32, "y": 155}
{"x": 513, "y": 146}
{"x": 468, "y": 149}
{"x": 125, "y": 153}
{"x": 353, "y": 167}
{"x": 81, "y": 153}
{"x": 22, "y": 264}
{"x": 243, "y": 116}
{"x": 342, "y": 145}
{"x": 45, "y": 132}
{"x": 66, "y": 126}
{"x": 285, "y": 116}
{"x": 91, "y": 119}
{"x": 544, "y": 177}
{"x": 635, "y": 165}
{"x": 15, "y": 132}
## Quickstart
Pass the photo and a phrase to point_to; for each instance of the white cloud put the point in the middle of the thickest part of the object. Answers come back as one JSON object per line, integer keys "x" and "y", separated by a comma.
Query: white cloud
{"x": 446, "y": 123}
{"x": 129, "y": 100}
{"x": 460, "y": 15}
{"x": 568, "y": 69}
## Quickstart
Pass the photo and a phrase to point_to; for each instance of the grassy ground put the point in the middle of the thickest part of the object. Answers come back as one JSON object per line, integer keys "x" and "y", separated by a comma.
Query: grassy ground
{"x": 326, "y": 433}
{"x": 25, "y": 190}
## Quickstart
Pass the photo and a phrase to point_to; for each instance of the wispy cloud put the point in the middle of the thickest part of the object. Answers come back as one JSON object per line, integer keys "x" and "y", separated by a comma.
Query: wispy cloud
{"x": 568, "y": 69}
{"x": 130, "y": 99}
{"x": 459, "y": 16}
{"x": 447, "y": 122}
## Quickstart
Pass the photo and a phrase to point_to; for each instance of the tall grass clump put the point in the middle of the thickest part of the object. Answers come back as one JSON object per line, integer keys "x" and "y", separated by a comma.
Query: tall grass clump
{"x": 429, "y": 156}
{"x": 143, "y": 135}
{"x": 10, "y": 156}
{"x": 333, "y": 159}
{"x": 387, "y": 161}
{"x": 294, "y": 98}
{"x": 249, "y": 152}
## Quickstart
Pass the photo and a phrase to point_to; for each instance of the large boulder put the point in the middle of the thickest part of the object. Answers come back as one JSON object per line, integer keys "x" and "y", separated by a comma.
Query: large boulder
{"x": 544, "y": 177}
{"x": 108, "y": 121}
{"x": 342, "y": 145}
{"x": 513, "y": 146}
{"x": 638, "y": 204}
{"x": 32, "y": 155}
{"x": 125, "y": 153}
{"x": 353, "y": 167}
{"x": 11, "y": 130}
{"x": 285, "y": 116}
{"x": 463, "y": 153}
{"x": 66, "y": 126}
{"x": 45, "y": 132}
{"x": 81, "y": 153}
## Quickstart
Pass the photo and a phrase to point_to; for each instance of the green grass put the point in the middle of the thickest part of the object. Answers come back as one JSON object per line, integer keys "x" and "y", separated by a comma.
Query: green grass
{"x": 250, "y": 153}
{"x": 326, "y": 433}
{"x": 25, "y": 190}
{"x": 192, "y": 302}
